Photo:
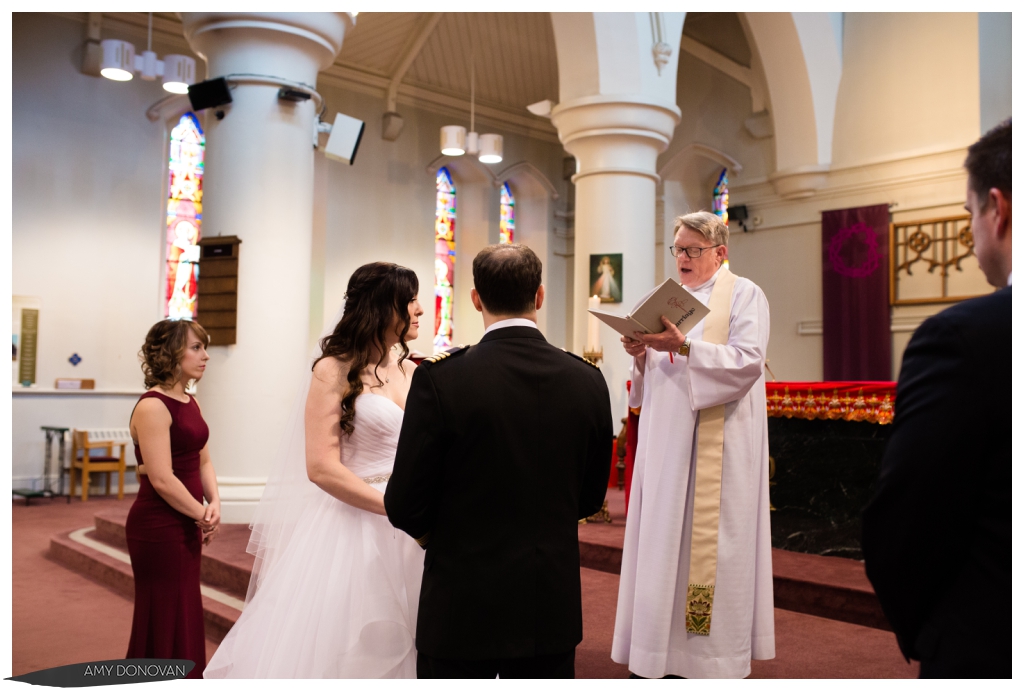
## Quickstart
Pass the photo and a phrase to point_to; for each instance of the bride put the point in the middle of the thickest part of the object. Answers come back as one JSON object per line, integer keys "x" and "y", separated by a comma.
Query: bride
{"x": 335, "y": 588}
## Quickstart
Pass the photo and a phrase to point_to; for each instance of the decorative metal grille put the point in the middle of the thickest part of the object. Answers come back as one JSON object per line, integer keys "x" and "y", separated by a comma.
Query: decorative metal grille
{"x": 937, "y": 244}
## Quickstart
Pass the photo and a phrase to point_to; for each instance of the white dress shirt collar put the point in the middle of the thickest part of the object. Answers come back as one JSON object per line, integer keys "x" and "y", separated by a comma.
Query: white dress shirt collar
{"x": 517, "y": 321}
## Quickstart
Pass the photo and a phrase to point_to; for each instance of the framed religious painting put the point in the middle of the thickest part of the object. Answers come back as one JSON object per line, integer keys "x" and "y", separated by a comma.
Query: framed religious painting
{"x": 606, "y": 277}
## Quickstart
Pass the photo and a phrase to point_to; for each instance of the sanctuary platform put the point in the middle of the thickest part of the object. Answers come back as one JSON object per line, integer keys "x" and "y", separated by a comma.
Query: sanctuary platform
{"x": 828, "y": 587}
{"x": 64, "y": 615}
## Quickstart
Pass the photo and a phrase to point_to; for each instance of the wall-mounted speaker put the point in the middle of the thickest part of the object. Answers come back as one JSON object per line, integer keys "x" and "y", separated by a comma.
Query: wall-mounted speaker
{"x": 346, "y": 133}
{"x": 209, "y": 94}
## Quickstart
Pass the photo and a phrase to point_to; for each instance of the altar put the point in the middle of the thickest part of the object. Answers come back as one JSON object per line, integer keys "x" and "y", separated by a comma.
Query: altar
{"x": 826, "y": 441}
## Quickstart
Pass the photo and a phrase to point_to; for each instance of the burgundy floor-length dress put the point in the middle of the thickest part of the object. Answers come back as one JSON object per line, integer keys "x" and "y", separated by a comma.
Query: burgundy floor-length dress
{"x": 165, "y": 547}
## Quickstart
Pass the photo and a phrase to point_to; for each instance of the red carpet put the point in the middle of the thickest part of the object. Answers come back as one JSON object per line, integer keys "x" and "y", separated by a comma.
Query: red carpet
{"x": 61, "y": 617}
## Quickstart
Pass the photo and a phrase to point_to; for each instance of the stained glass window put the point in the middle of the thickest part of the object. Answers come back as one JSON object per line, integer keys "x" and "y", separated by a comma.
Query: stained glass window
{"x": 444, "y": 260}
{"x": 184, "y": 217}
{"x": 720, "y": 205}
{"x": 508, "y": 216}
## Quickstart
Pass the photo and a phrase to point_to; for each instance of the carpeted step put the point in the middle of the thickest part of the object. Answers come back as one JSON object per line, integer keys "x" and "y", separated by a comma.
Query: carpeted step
{"x": 93, "y": 564}
{"x": 225, "y": 564}
{"x": 830, "y": 587}
{"x": 82, "y": 551}
{"x": 110, "y": 527}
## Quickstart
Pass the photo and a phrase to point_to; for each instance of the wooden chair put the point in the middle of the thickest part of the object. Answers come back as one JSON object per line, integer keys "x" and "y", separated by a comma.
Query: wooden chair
{"x": 82, "y": 441}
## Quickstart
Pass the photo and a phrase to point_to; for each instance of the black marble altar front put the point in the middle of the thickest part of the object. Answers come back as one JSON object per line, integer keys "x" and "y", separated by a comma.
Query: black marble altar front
{"x": 825, "y": 472}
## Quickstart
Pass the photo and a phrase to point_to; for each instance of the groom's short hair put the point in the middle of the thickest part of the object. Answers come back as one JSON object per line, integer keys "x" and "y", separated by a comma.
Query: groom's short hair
{"x": 507, "y": 278}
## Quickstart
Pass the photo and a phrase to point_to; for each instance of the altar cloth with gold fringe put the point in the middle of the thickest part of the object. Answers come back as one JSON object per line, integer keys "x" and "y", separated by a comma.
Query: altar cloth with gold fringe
{"x": 867, "y": 401}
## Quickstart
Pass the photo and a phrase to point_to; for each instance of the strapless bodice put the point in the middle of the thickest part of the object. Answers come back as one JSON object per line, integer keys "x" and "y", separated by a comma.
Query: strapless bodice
{"x": 370, "y": 451}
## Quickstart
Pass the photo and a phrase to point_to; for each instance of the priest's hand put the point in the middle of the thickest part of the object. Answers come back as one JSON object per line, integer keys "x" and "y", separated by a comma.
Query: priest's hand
{"x": 668, "y": 341}
{"x": 636, "y": 348}
{"x": 633, "y": 346}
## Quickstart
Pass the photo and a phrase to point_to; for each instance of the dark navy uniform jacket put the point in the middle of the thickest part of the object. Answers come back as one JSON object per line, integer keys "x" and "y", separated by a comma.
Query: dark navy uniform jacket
{"x": 505, "y": 445}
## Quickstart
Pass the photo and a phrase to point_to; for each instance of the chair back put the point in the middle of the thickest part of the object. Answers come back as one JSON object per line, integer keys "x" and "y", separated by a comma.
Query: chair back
{"x": 98, "y": 438}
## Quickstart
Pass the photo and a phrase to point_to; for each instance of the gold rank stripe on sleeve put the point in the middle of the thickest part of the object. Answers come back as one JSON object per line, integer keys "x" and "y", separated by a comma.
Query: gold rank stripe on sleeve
{"x": 580, "y": 357}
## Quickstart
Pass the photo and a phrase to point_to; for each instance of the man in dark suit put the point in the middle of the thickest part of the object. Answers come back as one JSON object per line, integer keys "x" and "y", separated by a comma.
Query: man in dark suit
{"x": 937, "y": 533}
{"x": 505, "y": 445}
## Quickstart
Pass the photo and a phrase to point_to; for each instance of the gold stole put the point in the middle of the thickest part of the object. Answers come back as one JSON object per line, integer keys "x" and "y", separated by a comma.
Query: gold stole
{"x": 707, "y": 492}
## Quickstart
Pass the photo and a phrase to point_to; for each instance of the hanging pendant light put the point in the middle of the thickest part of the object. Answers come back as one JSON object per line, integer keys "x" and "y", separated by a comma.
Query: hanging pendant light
{"x": 120, "y": 63}
{"x": 150, "y": 64}
{"x": 179, "y": 72}
{"x": 490, "y": 148}
{"x": 118, "y": 60}
{"x": 455, "y": 141}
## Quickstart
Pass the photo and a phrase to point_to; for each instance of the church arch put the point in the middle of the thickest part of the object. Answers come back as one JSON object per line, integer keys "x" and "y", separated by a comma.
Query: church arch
{"x": 517, "y": 170}
{"x": 802, "y": 64}
{"x": 610, "y": 54}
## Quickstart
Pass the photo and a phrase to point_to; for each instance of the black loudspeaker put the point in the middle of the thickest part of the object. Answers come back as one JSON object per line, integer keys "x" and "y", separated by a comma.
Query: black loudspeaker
{"x": 209, "y": 94}
{"x": 739, "y": 214}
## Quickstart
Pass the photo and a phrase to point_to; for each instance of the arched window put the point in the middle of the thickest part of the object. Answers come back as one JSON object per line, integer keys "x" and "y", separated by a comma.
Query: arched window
{"x": 444, "y": 260}
{"x": 184, "y": 217}
{"x": 508, "y": 216}
{"x": 720, "y": 205}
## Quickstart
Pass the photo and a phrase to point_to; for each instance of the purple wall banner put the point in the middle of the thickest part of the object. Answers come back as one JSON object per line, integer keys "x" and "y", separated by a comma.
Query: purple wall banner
{"x": 855, "y": 294}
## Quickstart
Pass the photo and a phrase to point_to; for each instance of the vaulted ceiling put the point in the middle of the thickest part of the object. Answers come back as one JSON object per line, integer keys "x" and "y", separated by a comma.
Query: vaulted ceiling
{"x": 512, "y": 53}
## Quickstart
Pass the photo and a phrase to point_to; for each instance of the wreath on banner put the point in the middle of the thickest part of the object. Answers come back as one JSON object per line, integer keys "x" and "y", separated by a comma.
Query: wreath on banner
{"x": 840, "y": 239}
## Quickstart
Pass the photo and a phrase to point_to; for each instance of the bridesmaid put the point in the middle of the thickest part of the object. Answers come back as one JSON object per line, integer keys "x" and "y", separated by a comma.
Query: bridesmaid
{"x": 168, "y": 524}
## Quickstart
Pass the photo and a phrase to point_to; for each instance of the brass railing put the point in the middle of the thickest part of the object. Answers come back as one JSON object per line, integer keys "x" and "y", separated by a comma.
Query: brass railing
{"x": 936, "y": 243}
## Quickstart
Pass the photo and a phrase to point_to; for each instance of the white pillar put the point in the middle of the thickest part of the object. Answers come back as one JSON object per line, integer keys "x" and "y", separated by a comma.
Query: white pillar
{"x": 616, "y": 141}
{"x": 258, "y": 185}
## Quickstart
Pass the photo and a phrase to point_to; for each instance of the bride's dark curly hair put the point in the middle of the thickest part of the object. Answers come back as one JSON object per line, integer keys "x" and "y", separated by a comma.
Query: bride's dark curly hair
{"x": 376, "y": 293}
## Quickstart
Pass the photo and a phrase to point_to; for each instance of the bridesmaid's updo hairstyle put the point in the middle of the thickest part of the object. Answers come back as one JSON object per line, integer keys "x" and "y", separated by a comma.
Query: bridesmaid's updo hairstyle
{"x": 165, "y": 345}
{"x": 376, "y": 294}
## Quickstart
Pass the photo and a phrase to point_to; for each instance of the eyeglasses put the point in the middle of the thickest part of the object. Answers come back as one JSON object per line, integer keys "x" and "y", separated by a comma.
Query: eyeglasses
{"x": 691, "y": 252}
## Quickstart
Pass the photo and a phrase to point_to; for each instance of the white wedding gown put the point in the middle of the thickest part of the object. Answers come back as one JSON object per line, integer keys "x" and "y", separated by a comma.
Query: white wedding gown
{"x": 341, "y": 601}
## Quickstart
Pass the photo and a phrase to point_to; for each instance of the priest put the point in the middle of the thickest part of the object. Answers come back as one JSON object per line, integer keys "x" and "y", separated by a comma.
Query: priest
{"x": 695, "y": 593}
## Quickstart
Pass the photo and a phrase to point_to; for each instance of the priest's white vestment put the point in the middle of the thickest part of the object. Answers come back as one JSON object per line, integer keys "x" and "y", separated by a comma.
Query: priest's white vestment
{"x": 650, "y": 627}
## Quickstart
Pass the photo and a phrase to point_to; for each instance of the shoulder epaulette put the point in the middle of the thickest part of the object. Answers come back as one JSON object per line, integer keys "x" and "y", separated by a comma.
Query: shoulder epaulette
{"x": 445, "y": 354}
{"x": 580, "y": 357}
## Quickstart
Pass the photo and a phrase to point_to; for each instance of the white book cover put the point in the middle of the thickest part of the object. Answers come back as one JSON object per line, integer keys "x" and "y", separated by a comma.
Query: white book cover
{"x": 669, "y": 299}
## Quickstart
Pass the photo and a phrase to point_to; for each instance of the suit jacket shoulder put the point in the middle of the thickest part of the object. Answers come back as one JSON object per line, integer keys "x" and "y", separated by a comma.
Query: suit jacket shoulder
{"x": 581, "y": 358}
{"x": 987, "y": 313}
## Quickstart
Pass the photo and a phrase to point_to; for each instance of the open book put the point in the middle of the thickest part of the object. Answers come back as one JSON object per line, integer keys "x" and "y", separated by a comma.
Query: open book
{"x": 670, "y": 299}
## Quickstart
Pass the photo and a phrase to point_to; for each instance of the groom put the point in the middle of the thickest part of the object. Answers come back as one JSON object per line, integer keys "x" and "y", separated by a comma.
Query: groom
{"x": 504, "y": 446}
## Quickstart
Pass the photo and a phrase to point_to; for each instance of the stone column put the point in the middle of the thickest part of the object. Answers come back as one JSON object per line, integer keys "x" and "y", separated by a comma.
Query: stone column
{"x": 616, "y": 141}
{"x": 259, "y": 186}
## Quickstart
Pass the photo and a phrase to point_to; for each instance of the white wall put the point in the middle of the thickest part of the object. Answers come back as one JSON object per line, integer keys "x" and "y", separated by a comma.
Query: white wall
{"x": 89, "y": 185}
{"x": 382, "y": 208}
{"x": 714, "y": 107}
{"x": 89, "y": 188}
{"x": 995, "y": 62}
{"x": 32, "y": 410}
{"x": 906, "y": 110}
{"x": 909, "y": 86}
{"x": 88, "y": 205}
